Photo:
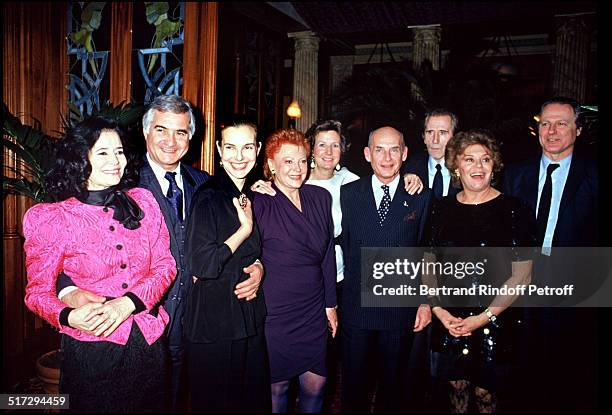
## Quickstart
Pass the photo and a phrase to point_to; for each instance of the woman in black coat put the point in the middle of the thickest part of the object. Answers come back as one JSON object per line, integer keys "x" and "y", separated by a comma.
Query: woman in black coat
{"x": 226, "y": 349}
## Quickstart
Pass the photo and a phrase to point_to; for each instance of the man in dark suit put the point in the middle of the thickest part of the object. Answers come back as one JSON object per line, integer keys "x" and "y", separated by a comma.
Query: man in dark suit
{"x": 377, "y": 212}
{"x": 562, "y": 189}
{"x": 439, "y": 128}
{"x": 168, "y": 126}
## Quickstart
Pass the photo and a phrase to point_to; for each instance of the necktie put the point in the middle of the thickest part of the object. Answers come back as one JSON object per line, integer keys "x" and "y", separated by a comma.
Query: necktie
{"x": 544, "y": 207}
{"x": 383, "y": 209}
{"x": 175, "y": 195}
{"x": 437, "y": 183}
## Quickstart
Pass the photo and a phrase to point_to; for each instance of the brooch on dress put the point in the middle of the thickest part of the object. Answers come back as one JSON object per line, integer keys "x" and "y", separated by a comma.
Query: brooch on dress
{"x": 242, "y": 199}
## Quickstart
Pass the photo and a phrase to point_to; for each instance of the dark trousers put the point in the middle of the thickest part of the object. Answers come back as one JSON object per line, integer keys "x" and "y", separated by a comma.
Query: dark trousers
{"x": 419, "y": 383}
{"x": 230, "y": 375}
{"x": 177, "y": 395}
{"x": 368, "y": 355}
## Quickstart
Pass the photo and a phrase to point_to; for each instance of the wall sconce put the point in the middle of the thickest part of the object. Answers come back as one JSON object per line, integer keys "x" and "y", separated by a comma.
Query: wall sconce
{"x": 294, "y": 112}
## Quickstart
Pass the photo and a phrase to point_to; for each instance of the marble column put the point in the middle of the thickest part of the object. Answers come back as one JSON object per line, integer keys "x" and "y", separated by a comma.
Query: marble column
{"x": 425, "y": 47}
{"x": 341, "y": 68}
{"x": 571, "y": 57}
{"x": 306, "y": 77}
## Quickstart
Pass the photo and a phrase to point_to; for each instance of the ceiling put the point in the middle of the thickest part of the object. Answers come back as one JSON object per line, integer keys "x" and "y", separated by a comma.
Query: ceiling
{"x": 333, "y": 18}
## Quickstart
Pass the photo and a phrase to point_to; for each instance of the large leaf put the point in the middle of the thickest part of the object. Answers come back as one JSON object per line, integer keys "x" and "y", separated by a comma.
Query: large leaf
{"x": 79, "y": 37}
{"x": 91, "y": 17}
{"x": 154, "y": 10}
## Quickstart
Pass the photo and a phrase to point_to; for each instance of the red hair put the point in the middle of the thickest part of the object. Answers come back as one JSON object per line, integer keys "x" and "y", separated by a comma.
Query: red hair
{"x": 275, "y": 141}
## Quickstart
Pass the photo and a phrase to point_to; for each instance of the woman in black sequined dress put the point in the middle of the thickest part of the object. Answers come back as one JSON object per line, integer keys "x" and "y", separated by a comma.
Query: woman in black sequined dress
{"x": 474, "y": 337}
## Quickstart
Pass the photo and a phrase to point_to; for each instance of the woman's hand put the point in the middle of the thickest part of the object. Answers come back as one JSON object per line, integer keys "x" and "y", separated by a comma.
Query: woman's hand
{"x": 263, "y": 187}
{"x": 110, "y": 315}
{"x": 81, "y": 318}
{"x": 245, "y": 215}
{"x": 449, "y": 321}
{"x": 412, "y": 183}
{"x": 472, "y": 323}
{"x": 332, "y": 320}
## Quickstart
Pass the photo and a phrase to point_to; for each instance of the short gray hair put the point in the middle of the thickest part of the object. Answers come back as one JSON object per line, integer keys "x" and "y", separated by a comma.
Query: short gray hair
{"x": 169, "y": 103}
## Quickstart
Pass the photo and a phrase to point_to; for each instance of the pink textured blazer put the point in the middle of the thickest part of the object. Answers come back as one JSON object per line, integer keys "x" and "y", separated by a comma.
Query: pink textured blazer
{"x": 101, "y": 256}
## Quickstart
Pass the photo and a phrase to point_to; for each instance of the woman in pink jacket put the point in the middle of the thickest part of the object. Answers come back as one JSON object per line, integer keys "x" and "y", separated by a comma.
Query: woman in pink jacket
{"x": 111, "y": 239}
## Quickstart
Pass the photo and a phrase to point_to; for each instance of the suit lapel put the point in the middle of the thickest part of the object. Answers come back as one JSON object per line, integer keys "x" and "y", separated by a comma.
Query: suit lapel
{"x": 423, "y": 169}
{"x": 401, "y": 199}
{"x": 367, "y": 202}
{"x": 574, "y": 177}
{"x": 149, "y": 181}
{"x": 188, "y": 186}
{"x": 530, "y": 184}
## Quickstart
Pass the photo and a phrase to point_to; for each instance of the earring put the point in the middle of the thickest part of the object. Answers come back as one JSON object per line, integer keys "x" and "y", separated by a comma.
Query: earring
{"x": 312, "y": 163}
{"x": 221, "y": 163}
{"x": 492, "y": 176}
{"x": 337, "y": 167}
{"x": 456, "y": 172}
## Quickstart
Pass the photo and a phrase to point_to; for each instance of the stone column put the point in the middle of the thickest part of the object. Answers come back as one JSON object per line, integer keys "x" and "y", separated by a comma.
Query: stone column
{"x": 306, "y": 77}
{"x": 571, "y": 57}
{"x": 340, "y": 68}
{"x": 425, "y": 47}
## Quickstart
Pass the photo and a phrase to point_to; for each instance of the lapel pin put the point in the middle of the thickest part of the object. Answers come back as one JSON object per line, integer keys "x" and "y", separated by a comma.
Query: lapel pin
{"x": 405, "y": 203}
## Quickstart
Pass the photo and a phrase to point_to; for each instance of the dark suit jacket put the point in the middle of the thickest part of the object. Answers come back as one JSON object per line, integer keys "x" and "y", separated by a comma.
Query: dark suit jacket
{"x": 577, "y": 223}
{"x": 418, "y": 164}
{"x": 403, "y": 226}
{"x": 192, "y": 180}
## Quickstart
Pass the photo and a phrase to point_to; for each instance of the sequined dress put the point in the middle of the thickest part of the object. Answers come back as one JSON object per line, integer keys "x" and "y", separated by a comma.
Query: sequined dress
{"x": 485, "y": 357}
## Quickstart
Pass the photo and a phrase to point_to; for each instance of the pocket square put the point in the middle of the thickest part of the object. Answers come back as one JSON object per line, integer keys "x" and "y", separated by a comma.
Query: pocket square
{"x": 410, "y": 216}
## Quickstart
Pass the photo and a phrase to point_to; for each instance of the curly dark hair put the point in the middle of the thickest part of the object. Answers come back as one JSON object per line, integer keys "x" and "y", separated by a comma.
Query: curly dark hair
{"x": 68, "y": 176}
{"x": 456, "y": 147}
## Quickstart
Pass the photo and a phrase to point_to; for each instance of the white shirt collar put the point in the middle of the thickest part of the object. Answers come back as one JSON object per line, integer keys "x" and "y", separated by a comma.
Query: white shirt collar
{"x": 378, "y": 192}
{"x": 160, "y": 174}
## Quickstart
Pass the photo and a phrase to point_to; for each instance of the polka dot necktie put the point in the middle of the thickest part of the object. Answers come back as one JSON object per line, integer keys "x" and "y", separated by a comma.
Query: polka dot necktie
{"x": 383, "y": 209}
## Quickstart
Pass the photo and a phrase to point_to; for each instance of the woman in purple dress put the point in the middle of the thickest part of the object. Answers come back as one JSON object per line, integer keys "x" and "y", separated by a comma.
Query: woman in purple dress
{"x": 300, "y": 286}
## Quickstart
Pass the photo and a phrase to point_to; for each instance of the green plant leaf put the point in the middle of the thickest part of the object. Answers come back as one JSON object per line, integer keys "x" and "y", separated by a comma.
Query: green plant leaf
{"x": 92, "y": 14}
{"x": 22, "y": 153}
{"x": 166, "y": 29}
{"x": 154, "y": 10}
{"x": 79, "y": 37}
{"x": 162, "y": 18}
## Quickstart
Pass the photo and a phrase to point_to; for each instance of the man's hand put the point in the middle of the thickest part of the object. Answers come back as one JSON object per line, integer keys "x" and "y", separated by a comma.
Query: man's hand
{"x": 263, "y": 187}
{"x": 412, "y": 183}
{"x": 80, "y": 297}
{"x": 423, "y": 317}
{"x": 248, "y": 289}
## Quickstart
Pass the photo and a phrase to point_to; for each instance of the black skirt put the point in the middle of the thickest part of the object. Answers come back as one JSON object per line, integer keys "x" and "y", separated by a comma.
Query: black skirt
{"x": 103, "y": 376}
